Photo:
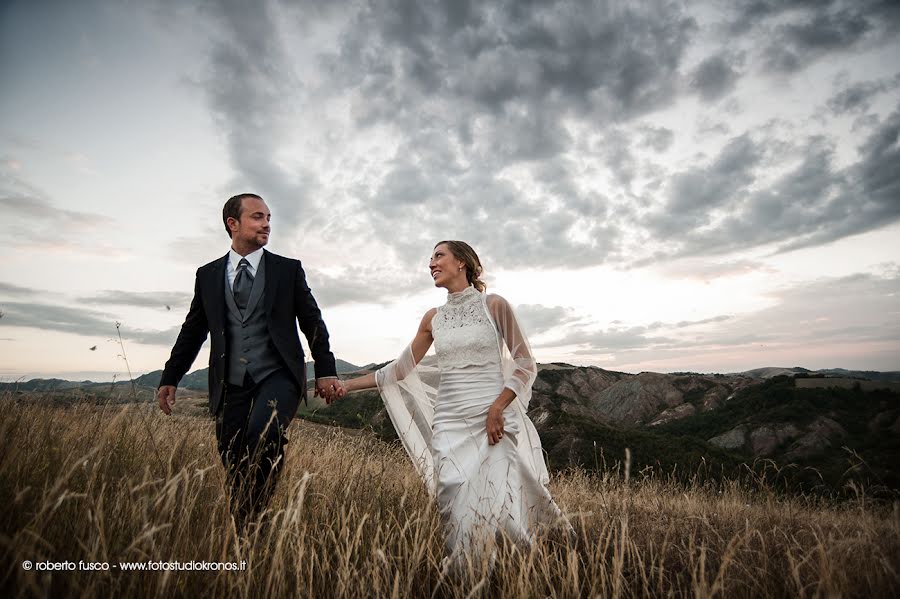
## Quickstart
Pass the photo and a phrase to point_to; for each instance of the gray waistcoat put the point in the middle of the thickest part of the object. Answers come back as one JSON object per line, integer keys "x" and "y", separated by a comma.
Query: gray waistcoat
{"x": 250, "y": 348}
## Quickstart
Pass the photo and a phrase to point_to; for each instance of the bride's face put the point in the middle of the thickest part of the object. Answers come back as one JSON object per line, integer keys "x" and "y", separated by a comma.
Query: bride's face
{"x": 445, "y": 267}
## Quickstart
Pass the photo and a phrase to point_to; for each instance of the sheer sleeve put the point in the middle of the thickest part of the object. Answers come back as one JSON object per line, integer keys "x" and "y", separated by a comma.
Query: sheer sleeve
{"x": 408, "y": 391}
{"x": 519, "y": 373}
{"x": 522, "y": 370}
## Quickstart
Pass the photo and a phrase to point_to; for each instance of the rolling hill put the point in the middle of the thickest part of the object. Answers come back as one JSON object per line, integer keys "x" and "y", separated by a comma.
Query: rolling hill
{"x": 686, "y": 423}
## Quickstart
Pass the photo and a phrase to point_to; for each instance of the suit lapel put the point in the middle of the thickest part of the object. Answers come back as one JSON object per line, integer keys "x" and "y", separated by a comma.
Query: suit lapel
{"x": 229, "y": 301}
{"x": 272, "y": 267}
{"x": 218, "y": 291}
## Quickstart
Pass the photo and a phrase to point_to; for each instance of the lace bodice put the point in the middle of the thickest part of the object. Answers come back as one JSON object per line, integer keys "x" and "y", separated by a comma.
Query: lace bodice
{"x": 463, "y": 332}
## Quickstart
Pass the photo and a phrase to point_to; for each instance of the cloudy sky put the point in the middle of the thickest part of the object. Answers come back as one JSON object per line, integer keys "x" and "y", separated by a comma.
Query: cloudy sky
{"x": 655, "y": 185}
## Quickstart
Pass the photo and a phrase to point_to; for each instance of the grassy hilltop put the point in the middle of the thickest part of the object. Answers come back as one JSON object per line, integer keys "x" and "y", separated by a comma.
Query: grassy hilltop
{"x": 105, "y": 482}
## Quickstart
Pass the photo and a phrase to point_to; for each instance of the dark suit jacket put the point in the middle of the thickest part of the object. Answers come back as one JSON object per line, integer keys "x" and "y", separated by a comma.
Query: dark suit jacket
{"x": 288, "y": 300}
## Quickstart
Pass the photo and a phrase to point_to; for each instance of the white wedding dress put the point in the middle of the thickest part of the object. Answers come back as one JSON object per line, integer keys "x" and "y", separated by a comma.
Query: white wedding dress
{"x": 441, "y": 413}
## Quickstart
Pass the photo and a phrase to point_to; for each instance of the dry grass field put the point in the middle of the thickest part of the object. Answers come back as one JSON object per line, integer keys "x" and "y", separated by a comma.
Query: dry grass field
{"x": 89, "y": 483}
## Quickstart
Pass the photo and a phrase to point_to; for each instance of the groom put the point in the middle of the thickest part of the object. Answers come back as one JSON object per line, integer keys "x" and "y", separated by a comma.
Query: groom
{"x": 250, "y": 301}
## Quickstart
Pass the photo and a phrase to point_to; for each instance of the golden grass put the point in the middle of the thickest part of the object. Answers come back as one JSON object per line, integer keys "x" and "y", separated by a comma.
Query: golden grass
{"x": 351, "y": 519}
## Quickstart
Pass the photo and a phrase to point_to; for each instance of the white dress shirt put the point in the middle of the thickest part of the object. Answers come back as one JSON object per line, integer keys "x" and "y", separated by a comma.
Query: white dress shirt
{"x": 232, "y": 263}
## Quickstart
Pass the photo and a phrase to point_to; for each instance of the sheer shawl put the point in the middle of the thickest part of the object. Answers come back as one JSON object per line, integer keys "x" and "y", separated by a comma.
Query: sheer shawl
{"x": 519, "y": 373}
{"x": 409, "y": 391}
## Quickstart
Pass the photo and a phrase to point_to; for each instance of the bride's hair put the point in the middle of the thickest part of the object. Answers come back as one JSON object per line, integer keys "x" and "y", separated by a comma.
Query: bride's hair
{"x": 463, "y": 251}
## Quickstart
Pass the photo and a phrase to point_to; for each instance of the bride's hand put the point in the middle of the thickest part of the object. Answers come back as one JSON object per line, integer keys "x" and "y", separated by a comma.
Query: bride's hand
{"x": 495, "y": 424}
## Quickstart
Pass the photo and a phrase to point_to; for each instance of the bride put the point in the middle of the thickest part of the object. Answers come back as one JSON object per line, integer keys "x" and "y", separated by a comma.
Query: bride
{"x": 464, "y": 423}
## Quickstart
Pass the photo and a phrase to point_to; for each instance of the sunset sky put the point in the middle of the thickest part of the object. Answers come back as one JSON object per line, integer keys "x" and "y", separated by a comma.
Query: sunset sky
{"x": 654, "y": 185}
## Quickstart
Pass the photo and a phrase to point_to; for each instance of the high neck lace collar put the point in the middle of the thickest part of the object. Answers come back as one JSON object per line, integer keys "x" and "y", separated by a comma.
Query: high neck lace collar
{"x": 461, "y": 296}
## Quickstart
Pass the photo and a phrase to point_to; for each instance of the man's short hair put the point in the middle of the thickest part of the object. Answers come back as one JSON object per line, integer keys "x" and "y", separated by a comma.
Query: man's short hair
{"x": 233, "y": 208}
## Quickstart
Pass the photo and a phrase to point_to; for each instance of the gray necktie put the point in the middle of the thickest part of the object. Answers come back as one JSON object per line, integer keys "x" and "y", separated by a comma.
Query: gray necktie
{"x": 243, "y": 283}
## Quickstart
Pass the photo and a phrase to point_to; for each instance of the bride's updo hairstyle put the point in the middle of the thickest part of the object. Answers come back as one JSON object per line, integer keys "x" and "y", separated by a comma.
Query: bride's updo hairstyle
{"x": 463, "y": 252}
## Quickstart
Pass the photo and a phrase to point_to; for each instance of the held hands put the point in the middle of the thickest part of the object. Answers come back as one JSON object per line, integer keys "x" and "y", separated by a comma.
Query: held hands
{"x": 166, "y": 398}
{"x": 330, "y": 389}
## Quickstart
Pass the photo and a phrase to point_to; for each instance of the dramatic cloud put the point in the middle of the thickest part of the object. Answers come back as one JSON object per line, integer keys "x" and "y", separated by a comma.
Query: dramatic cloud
{"x": 79, "y": 321}
{"x": 798, "y": 32}
{"x": 208, "y": 243}
{"x": 799, "y": 203}
{"x": 619, "y": 158}
{"x": 141, "y": 299}
{"x": 864, "y": 196}
{"x": 501, "y": 55}
{"x": 658, "y": 139}
{"x": 519, "y": 128}
{"x": 692, "y": 323}
{"x": 716, "y": 76}
{"x": 250, "y": 76}
{"x": 695, "y": 193}
{"x": 537, "y": 319}
{"x": 797, "y": 44}
{"x": 721, "y": 207}
{"x": 165, "y": 338}
{"x": 706, "y": 270}
{"x": 475, "y": 91}
{"x": 9, "y": 289}
{"x": 857, "y": 98}
{"x": 620, "y": 337}
{"x": 32, "y": 220}
{"x": 57, "y": 318}
{"x": 360, "y": 286}
{"x": 612, "y": 340}
{"x": 831, "y": 316}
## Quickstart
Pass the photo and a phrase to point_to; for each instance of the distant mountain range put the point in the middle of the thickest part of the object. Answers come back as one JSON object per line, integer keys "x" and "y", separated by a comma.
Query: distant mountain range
{"x": 871, "y": 375}
{"x": 197, "y": 380}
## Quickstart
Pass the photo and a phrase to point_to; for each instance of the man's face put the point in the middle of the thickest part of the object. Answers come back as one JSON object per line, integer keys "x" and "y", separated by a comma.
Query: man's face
{"x": 254, "y": 226}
